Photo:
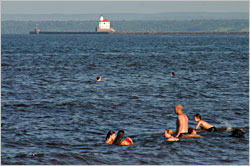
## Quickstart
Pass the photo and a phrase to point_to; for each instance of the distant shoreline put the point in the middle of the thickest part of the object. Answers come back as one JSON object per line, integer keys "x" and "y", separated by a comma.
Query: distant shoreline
{"x": 141, "y": 32}
{"x": 23, "y": 27}
{"x": 183, "y": 32}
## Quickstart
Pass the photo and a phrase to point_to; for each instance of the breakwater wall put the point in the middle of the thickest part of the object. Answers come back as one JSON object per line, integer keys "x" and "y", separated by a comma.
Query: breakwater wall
{"x": 139, "y": 32}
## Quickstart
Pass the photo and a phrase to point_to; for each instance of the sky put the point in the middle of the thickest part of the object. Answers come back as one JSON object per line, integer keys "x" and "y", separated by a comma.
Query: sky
{"x": 90, "y": 7}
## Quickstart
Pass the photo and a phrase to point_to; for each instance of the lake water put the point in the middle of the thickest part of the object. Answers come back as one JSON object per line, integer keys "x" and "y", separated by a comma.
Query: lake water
{"x": 53, "y": 111}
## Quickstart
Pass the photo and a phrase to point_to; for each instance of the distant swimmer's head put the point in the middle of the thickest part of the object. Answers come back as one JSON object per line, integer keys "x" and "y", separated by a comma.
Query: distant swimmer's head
{"x": 178, "y": 109}
{"x": 119, "y": 137}
{"x": 168, "y": 133}
{"x": 197, "y": 117}
{"x": 139, "y": 75}
{"x": 191, "y": 131}
{"x": 237, "y": 133}
{"x": 99, "y": 78}
{"x": 111, "y": 135}
{"x": 172, "y": 74}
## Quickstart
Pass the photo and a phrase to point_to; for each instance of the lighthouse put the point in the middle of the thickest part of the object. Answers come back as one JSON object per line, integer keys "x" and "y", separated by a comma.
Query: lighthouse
{"x": 104, "y": 25}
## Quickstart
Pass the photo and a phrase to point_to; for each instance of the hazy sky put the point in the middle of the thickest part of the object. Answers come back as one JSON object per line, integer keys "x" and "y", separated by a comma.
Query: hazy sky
{"x": 84, "y": 7}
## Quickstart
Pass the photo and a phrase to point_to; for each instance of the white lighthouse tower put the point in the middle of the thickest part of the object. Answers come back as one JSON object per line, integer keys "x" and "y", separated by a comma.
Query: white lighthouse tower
{"x": 104, "y": 25}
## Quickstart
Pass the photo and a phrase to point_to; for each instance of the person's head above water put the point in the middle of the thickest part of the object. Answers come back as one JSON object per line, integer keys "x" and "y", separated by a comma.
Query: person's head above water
{"x": 191, "y": 131}
{"x": 178, "y": 109}
{"x": 168, "y": 133}
{"x": 172, "y": 74}
{"x": 197, "y": 117}
{"x": 111, "y": 134}
{"x": 99, "y": 78}
{"x": 119, "y": 137}
{"x": 237, "y": 133}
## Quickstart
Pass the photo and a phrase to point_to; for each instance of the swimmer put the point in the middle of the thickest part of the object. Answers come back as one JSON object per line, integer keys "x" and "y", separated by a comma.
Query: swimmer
{"x": 181, "y": 122}
{"x": 172, "y": 74}
{"x": 191, "y": 134}
{"x": 139, "y": 75}
{"x": 110, "y": 137}
{"x": 119, "y": 141}
{"x": 203, "y": 124}
{"x": 237, "y": 133}
{"x": 168, "y": 133}
{"x": 99, "y": 78}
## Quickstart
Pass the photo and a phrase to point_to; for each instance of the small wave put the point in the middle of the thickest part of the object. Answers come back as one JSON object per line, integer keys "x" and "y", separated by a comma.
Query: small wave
{"x": 21, "y": 105}
{"x": 21, "y": 155}
{"x": 4, "y": 64}
{"x": 13, "y": 163}
{"x": 61, "y": 155}
{"x": 133, "y": 97}
{"x": 52, "y": 144}
{"x": 206, "y": 96}
{"x": 22, "y": 110}
{"x": 56, "y": 162}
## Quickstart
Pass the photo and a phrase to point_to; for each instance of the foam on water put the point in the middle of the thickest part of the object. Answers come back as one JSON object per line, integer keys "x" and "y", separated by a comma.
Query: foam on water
{"x": 229, "y": 127}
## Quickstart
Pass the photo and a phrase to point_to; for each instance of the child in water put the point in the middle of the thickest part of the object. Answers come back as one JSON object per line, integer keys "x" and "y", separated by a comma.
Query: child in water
{"x": 110, "y": 137}
{"x": 169, "y": 135}
{"x": 203, "y": 124}
{"x": 191, "y": 133}
{"x": 119, "y": 141}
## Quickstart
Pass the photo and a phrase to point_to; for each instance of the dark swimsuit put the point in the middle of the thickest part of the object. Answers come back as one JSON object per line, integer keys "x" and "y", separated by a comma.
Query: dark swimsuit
{"x": 182, "y": 134}
{"x": 212, "y": 129}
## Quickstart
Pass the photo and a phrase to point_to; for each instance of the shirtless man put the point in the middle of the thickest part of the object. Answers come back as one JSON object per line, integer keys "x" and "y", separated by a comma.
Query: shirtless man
{"x": 182, "y": 121}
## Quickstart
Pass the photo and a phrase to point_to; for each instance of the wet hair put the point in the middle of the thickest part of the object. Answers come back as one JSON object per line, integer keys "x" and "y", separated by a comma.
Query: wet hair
{"x": 190, "y": 130}
{"x": 169, "y": 131}
{"x": 111, "y": 132}
{"x": 119, "y": 137}
{"x": 237, "y": 133}
{"x": 98, "y": 78}
{"x": 198, "y": 116}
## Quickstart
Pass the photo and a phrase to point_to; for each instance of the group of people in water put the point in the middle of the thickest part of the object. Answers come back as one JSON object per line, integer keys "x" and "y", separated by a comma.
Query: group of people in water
{"x": 117, "y": 140}
{"x": 182, "y": 130}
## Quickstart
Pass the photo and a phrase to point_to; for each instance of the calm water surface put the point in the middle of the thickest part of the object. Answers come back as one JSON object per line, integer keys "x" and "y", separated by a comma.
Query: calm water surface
{"x": 54, "y": 112}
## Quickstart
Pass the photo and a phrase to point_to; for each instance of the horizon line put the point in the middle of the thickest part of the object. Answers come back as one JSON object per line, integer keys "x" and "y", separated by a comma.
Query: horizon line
{"x": 120, "y": 13}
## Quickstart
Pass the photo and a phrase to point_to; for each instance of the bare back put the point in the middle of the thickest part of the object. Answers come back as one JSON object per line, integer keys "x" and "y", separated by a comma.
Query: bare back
{"x": 181, "y": 124}
{"x": 203, "y": 124}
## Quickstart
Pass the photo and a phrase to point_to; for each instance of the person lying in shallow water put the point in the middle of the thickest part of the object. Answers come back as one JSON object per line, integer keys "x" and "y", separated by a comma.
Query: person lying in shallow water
{"x": 203, "y": 124}
{"x": 191, "y": 133}
{"x": 119, "y": 141}
{"x": 237, "y": 133}
{"x": 110, "y": 137}
{"x": 169, "y": 135}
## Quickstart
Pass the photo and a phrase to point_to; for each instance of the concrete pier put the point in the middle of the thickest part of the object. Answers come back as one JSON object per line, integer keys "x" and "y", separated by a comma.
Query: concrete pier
{"x": 137, "y": 32}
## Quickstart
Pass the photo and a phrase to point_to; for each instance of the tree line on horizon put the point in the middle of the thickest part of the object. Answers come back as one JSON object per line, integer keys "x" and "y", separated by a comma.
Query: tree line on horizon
{"x": 23, "y": 27}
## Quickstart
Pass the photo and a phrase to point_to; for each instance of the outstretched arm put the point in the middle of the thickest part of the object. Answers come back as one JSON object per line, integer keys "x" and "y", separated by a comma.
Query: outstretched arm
{"x": 127, "y": 141}
{"x": 197, "y": 126}
{"x": 130, "y": 140}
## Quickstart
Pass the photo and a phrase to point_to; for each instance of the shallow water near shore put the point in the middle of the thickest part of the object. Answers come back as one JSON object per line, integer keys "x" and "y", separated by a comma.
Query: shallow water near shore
{"x": 53, "y": 111}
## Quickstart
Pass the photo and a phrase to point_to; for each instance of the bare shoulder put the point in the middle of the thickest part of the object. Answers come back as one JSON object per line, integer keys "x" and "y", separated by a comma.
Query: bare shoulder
{"x": 203, "y": 122}
{"x": 124, "y": 143}
{"x": 181, "y": 116}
